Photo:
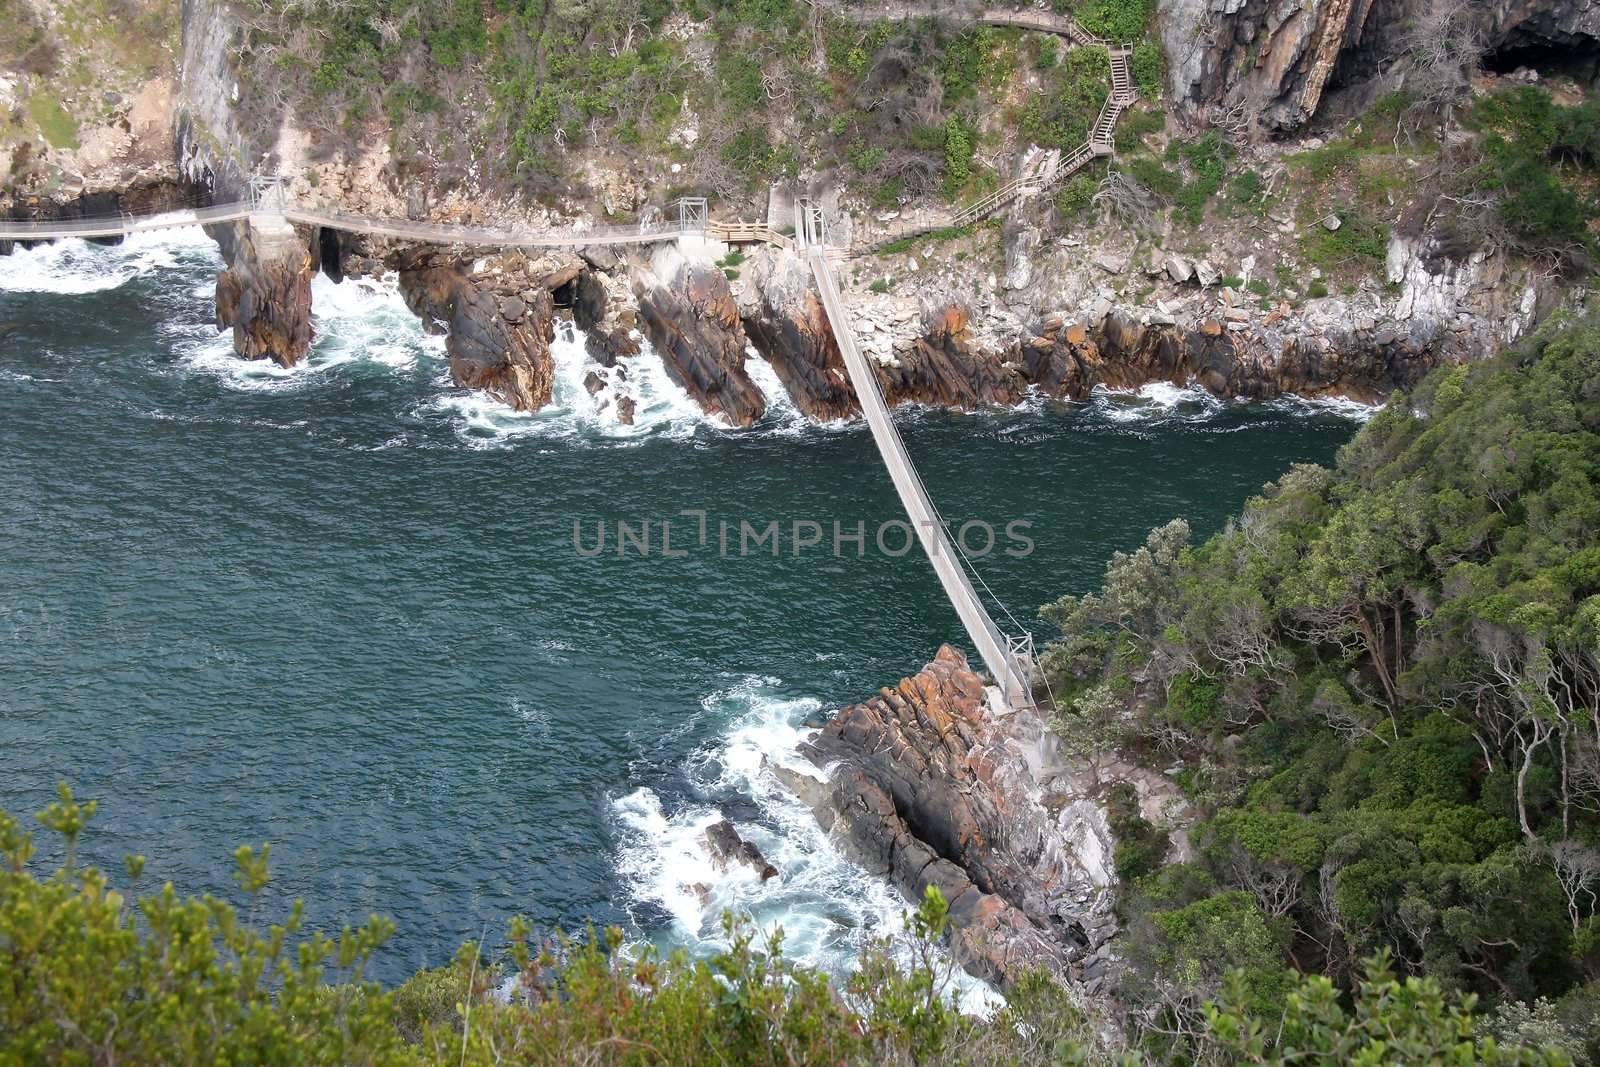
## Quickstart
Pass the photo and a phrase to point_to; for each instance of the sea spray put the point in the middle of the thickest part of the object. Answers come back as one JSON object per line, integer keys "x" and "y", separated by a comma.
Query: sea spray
{"x": 828, "y": 908}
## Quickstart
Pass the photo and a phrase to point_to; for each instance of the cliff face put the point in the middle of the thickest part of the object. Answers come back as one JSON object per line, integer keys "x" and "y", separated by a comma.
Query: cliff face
{"x": 1280, "y": 58}
{"x": 689, "y": 314}
{"x": 927, "y": 786}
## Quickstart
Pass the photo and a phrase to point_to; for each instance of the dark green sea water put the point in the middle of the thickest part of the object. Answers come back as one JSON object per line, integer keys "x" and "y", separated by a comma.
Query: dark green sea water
{"x": 339, "y": 608}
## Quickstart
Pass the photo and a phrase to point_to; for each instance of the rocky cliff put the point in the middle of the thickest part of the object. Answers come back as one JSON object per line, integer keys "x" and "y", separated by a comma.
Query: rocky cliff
{"x": 964, "y": 323}
{"x": 1278, "y": 60}
{"x": 928, "y": 785}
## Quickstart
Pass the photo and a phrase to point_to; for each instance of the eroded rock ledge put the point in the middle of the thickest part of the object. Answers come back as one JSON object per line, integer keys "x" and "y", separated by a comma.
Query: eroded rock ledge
{"x": 688, "y": 312}
{"x": 926, "y": 785}
{"x": 264, "y": 294}
{"x": 498, "y": 315}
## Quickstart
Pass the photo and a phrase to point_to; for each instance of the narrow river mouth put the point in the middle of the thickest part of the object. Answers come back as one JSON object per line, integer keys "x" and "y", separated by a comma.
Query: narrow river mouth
{"x": 341, "y": 608}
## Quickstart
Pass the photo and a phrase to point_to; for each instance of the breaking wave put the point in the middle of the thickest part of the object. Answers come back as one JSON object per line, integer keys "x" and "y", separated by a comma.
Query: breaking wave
{"x": 75, "y": 266}
{"x": 829, "y": 908}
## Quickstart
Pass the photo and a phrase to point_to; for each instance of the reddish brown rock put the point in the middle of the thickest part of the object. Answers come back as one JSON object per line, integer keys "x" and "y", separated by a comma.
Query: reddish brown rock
{"x": 688, "y": 314}
{"x": 928, "y": 788}
{"x": 499, "y": 332}
{"x": 945, "y": 369}
{"x": 264, "y": 294}
{"x": 1122, "y": 353}
{"x": 606, "y": 318}
{"x": 791, "y": 331}
{"x": 727, "y": 848}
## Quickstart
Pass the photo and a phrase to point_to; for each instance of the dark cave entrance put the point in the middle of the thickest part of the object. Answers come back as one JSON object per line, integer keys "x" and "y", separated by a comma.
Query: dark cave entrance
{"x": 565, "y": 295}
{"x": 1579, "y": 61}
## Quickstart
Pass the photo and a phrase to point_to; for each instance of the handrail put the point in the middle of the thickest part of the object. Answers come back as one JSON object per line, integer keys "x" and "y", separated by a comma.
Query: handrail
{"x": 1100, "y": 140}
{"x": 488, "y": 236}
{"x": 120, "y": 225}
{"x": 995, "y": 647}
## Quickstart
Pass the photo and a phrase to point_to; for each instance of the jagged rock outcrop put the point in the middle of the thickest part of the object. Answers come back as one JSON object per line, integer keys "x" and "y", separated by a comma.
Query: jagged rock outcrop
{"x": 928, "y": 787}
{"x": 264, "y": 295}
{"x": 727, "y": 848}
{"x": 498, "y": 313}
{"x": 1280, "y": 58}
{"x": 944, "y": 368}
{"x": 689, "y": 315}
{"x": 788, "y": 326}
{"x": 603, "y": 308}
{"x": 1067, "y": 359}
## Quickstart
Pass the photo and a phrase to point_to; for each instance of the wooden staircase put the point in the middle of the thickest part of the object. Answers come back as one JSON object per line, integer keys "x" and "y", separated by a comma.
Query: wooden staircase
{"x": 1101, "y": 142}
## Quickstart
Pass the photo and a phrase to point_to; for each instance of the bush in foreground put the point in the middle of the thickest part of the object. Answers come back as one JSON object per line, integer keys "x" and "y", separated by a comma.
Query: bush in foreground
{"x": 88, "y": 976}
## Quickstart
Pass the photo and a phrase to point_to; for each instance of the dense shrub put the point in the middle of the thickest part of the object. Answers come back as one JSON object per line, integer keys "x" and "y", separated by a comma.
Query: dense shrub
{"x": 93, "y": 976}
{"x": 1381, "y": 685}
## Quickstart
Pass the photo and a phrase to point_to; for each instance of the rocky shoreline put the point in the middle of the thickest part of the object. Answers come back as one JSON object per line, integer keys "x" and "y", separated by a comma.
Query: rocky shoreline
{"x": 928, "y": 784}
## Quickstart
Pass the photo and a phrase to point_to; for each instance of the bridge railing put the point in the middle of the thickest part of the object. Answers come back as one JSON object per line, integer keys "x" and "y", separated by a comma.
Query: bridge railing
{"x": 120, "y": 225}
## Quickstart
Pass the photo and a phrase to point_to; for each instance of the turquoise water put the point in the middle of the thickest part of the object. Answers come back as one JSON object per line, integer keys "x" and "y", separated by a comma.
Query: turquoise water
{"x": 340, "y": 608}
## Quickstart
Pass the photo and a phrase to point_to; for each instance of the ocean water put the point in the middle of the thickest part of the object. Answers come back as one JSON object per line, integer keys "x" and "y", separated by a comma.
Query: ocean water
{"x": 341, "y": 608}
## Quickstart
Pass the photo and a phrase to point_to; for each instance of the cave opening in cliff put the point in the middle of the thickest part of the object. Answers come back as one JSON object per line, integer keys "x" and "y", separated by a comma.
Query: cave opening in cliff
{"x": 330, "y": 254}
{"x": 1579, "y": 61}
{"x": 565, "y": 295}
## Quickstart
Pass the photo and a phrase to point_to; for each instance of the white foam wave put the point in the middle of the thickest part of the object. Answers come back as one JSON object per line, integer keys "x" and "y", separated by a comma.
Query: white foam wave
{"x": 783, "y": 418}
{"x": 1155, "y": 400}
{"x": 829, "y": 909}
{"x": 1341, "y": 406}
{"x": 358, "y": 321}
{"x": 76, "y": 266}
{"x": 1163, "y": 401}
{"x": 661, "y": 407}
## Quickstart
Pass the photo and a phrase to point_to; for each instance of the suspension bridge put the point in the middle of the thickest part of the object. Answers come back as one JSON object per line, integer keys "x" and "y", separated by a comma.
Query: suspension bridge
{"x": 1007, "y": 654}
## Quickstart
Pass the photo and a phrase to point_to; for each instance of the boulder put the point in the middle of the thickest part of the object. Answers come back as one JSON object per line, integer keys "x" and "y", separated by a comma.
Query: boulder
{"x": 1180, "y": 270}
{"x": 727, "y": 848}
{"x": 1112, "y": 262}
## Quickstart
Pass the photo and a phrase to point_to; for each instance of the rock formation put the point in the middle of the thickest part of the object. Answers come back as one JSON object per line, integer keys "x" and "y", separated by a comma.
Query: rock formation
{"x": 1280, "y": 60}
{"x": 264, "y": 295}
{"x": 603, "y": 307}
{"x": 727, "y": 848}
{"x": 944, "y": 368}
{"x": 928, "y": 786}
{"x": 498, "y": 313}
{"x": 784, "y": 317}
{"x": 689, "y": 315}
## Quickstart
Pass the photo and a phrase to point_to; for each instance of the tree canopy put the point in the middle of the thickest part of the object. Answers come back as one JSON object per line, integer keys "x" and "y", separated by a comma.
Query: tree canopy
{"x": 1381, "y": 685}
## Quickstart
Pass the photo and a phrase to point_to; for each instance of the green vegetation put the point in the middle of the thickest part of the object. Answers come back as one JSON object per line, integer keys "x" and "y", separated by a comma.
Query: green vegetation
{"x": 1060, "y": 115}
{"x": 906, "y": 244}
{"x": 1207, "y": 159}
{"x": 1149, "y": 69}
{"x": 1115, "y": 20}
{"x": 1075, "y": 196}
{"x": 58, "y": 127}
{"x": 97, "y": 975}
{"x": 1360, "y": 239}
{"x": 1381, "y": 685}
{"x": 514, "y": 88}
{"x": 1530, "y": 143}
